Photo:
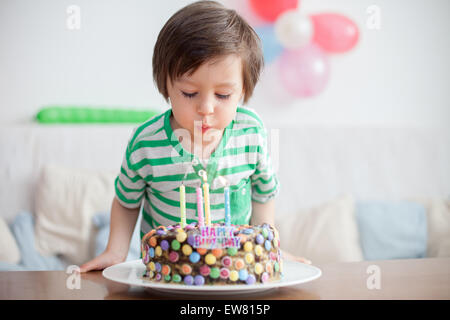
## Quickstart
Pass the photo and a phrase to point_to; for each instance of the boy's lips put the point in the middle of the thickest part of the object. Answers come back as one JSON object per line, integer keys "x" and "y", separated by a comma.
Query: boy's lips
{"x": 205, "y": 128}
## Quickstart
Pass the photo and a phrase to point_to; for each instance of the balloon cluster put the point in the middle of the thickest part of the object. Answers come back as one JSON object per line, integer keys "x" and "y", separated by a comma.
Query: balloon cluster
{"x": 301, "y": 43}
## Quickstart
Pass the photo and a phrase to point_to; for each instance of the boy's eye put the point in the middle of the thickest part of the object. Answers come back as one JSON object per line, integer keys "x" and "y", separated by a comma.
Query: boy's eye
{"x": 223, "y": 96}
{"x": 220, "y": 96}
{"x": 188, "y": 95}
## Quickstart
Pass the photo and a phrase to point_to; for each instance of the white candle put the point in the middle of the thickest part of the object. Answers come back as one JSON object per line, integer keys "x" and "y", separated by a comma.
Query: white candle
{"x": 182, "y": 206}
{"x": 207, "y": 209}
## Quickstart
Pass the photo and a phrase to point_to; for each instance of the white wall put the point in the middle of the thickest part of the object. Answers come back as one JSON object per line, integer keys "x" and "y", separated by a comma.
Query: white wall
{"x": 368, "y": 133}
{"x": 107, "y": 62}
{"x": 396, "y": 76}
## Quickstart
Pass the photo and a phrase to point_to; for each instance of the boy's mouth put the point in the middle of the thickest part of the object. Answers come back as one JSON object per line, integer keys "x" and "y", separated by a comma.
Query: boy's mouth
{"x": 200, "y": 125}
{"x": 205, "y": 128}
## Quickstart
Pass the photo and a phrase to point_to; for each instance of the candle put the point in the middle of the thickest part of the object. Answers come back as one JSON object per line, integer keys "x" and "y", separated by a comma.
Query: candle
{"x": 227, "y": 207}
{"x": 207, "y": 212}
{"x": 201, "y": 223}
{"x": 227, "y": 201}
{"x": 182, "y": 206}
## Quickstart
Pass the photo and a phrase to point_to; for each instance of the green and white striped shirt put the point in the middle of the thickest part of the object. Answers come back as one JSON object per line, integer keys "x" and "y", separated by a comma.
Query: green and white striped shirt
{"x": 155, "y": 165}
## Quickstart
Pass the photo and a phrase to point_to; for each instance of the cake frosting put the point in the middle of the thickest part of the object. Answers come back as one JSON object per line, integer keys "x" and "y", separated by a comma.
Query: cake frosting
{"x": 212, "y": 255}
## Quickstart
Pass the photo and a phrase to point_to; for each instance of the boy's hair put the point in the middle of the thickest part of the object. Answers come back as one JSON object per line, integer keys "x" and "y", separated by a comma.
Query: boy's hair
{"x": 202, "y": 31}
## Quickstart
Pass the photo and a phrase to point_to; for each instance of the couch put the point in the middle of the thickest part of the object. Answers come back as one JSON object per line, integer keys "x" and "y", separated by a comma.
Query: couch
{"x": 347, "y": 194}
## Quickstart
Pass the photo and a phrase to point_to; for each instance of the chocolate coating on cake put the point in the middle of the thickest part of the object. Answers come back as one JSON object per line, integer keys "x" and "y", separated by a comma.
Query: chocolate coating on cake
{"x": 212, "y": 256}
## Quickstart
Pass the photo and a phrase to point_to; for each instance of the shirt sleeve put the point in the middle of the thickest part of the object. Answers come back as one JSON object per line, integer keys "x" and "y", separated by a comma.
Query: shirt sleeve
{"x": 129, "y": 184}
{"x": 265, "y": 184}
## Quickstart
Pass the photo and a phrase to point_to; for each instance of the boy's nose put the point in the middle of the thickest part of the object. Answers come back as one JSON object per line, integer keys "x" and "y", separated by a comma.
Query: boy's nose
{"x": 206, "y": 107}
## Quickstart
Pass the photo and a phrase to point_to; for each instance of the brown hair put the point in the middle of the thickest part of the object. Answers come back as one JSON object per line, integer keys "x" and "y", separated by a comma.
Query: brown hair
{"x": 202, "y": 31}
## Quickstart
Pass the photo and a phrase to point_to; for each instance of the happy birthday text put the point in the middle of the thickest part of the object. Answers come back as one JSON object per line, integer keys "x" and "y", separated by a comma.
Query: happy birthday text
{"x": 216, "y": 238}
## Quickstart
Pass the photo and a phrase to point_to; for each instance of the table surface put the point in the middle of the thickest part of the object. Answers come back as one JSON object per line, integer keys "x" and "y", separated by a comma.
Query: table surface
{"x": 398, "y": 279}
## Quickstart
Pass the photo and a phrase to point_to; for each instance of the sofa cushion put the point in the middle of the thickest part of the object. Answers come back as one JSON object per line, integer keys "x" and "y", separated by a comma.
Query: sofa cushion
{"x": 322, "y": 234}
{"x": 392, "y": 230}
{"x": 438, "y": 225}
{"x": 66, "y": 200}
{"x": 23, "y": 230}
{"x": 9, "y": 252}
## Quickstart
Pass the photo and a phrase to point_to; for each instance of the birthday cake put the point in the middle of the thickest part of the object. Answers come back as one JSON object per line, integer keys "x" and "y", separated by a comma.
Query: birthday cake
{"x": 215, "y": 254}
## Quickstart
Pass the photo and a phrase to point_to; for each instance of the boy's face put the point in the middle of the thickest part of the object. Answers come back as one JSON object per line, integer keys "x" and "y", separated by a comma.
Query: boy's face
{"x": 206, "y": 101}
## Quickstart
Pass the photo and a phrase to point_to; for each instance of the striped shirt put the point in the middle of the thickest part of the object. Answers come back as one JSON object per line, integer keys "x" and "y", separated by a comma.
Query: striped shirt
{"x": 156, "y": 164}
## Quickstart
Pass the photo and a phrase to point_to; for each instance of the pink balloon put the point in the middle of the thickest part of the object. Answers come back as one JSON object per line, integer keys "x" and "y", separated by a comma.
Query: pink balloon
{"x": 304, "y": 72}
{"x": 334, "y": 33}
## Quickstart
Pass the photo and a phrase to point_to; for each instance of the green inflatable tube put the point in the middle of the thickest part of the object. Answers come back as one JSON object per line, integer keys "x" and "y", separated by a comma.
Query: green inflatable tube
{"x": 57, "y": 114}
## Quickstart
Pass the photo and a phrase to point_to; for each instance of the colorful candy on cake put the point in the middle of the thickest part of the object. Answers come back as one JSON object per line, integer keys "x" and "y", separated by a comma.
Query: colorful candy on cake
{"x": 212, "y": 255}
{"x": 202, "y": 253}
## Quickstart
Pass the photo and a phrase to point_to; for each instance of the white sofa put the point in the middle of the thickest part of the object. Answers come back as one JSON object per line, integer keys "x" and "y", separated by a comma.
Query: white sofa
{"x": 323, "y": 171}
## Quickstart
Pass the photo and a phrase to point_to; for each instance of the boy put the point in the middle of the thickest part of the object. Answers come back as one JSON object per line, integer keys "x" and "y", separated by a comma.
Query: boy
{"x": 206, "y": 60}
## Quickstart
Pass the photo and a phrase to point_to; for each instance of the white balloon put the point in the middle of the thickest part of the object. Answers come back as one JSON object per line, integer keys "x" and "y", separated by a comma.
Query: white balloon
{"x": 293, "y": 29}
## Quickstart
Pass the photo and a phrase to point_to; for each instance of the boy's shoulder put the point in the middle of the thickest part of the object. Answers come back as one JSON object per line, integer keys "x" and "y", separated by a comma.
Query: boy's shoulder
{"x": 150, "y": 129}
{"x": 248, "y": 116}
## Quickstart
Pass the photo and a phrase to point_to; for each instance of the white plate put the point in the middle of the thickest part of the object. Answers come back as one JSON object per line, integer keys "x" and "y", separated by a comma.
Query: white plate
{"x": 131, "y": 272}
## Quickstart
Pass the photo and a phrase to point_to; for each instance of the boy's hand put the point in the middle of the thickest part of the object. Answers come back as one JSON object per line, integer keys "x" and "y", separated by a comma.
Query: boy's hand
{"x": 102, "y": 261}
{"x": 289, "y": 256}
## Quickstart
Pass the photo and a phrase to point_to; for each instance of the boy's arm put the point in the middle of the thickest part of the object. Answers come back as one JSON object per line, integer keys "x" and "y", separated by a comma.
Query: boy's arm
{"x": 263, "y": 213}
{"x": 123, "y": 221}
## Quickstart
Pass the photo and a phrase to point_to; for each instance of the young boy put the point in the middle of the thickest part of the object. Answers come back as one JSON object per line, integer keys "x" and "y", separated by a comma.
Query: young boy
{"x": 206, "y": 61}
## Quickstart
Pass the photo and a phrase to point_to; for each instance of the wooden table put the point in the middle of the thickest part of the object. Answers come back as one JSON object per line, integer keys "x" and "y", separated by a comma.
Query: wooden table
{"x": 399, "y": 279}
